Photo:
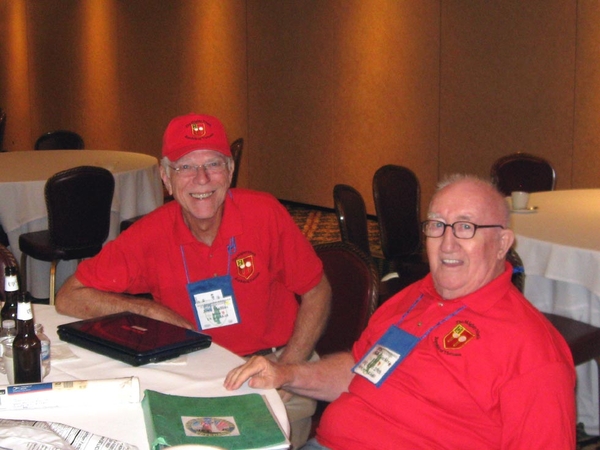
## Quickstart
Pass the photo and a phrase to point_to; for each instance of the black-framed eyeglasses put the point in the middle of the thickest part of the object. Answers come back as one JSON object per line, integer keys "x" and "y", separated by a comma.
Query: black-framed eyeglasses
{"x": 460, "y": 229}
{"x": 210, "y": 168}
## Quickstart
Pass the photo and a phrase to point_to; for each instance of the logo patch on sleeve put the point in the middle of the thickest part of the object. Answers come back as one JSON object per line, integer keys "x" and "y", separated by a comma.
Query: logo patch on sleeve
{"x": 458, "y": 337}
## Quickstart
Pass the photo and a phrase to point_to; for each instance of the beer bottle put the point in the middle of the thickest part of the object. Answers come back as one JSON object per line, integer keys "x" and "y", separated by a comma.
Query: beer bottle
{"x": 11, "y": 294}
{"x": 26, "y": 346}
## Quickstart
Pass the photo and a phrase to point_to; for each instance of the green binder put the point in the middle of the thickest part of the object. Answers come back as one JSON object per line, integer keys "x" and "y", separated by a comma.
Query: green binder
{"x": 242, "y": 422}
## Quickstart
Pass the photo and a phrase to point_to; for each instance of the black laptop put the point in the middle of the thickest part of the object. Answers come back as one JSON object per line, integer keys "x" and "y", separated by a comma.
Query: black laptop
{"x": 132, "y": 338}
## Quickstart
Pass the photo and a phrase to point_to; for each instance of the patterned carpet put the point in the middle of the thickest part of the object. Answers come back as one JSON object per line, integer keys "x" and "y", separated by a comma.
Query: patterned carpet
{"x": 320, "y": 225}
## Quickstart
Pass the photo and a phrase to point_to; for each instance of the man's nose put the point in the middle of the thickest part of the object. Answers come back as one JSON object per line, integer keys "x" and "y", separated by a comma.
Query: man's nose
{"x": 201, "y": 175}
{"x": 448, "y": 238}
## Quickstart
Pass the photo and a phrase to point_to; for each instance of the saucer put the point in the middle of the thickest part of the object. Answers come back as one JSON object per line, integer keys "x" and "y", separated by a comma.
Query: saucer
{"x": 529, "y": 210}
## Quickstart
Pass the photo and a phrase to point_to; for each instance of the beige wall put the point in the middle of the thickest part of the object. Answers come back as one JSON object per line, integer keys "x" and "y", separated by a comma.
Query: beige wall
{"x": 323, "y": 91}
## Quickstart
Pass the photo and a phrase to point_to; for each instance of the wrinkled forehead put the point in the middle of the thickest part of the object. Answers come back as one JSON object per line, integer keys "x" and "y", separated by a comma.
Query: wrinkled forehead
{"x": 201, "y": 156}
{"x": 466, "y": 200}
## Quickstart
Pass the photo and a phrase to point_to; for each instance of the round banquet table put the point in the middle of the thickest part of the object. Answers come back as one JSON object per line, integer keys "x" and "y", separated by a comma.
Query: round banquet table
{"x": 23, "y": 175}
{"x": 198, "y": 374}
{"x": 559, "y": 244}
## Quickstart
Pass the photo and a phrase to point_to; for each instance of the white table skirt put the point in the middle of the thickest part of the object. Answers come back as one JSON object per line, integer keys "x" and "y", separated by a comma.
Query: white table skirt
{"x": 23, "y": 175}
{"x": 560, "y": 248}
{"x": 200, "y": 375}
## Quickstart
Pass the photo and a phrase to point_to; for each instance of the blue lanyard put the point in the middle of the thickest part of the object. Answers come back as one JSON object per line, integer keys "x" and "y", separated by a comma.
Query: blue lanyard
{"x": 230, "y": 251}
{"x": 434, "y": 326}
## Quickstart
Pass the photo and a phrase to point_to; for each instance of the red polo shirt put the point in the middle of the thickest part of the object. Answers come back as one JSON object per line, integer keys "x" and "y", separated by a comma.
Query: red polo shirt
{"x": 496, "y": 375}
{"x": 278, "y": 262}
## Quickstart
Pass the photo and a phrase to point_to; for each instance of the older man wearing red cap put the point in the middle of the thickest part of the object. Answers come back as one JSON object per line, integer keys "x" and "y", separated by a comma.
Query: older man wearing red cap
{"x": 229, "y": 262}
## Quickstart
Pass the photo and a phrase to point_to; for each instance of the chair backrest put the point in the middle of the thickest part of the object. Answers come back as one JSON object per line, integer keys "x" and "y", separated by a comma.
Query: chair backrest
{"x": 59, "y": 140}
{"x": 236, "y": 152}
{"x": 518, "y": 276}
{"x": 352, "y": 216}
{"x": 7, "y": 259}
{"x": 354, "y": 283}
{"x": 397, "y": 196}
{"x": 2, "y": 128}
{"x": 78, "y": 202}
{"x": 523, "y": 172}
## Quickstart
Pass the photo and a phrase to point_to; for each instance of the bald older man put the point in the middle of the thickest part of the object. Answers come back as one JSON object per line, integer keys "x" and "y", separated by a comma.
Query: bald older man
{"x": 459, "y": 359}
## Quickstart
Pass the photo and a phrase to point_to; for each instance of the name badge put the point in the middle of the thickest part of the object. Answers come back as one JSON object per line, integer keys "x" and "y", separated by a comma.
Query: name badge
{"x": 387, "y": 353}
{"x": 214, "y": 302}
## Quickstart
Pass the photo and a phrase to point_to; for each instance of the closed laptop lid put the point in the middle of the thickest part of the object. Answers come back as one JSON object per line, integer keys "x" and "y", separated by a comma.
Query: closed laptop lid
{"x": 133, "y": 338}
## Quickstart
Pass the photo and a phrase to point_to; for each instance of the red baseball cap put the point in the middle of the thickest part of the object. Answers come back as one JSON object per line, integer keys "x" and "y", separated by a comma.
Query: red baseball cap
{"x": 184, "y": 134}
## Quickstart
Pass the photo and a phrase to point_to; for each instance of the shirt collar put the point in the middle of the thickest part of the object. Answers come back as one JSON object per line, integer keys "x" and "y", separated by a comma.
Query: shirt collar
{"x": 231, "y": 224}
{"x": 482, "y": 299}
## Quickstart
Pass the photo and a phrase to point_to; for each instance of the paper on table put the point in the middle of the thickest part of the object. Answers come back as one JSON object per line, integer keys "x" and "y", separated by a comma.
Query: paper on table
{"x": 36, "y": 435}
{"x": 70, "y": 393}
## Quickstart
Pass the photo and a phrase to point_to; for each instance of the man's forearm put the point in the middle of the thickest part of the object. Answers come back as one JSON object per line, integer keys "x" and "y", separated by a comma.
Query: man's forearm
{"x": 77, "y": 300}
{"x": 325, "y": 379}
{"x": 310, "y": 323}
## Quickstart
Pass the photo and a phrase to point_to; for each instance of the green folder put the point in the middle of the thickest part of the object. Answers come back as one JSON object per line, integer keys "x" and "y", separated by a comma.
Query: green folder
{"x": 242, "y": 422}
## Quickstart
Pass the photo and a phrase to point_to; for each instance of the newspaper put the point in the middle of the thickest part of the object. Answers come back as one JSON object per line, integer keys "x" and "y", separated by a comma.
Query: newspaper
{"x": 37, "y": 435}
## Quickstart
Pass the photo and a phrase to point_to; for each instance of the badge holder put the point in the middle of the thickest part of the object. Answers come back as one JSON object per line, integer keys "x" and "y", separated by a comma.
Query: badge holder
{"x": 391, "y": 349}
{"x": 213, "y": 299}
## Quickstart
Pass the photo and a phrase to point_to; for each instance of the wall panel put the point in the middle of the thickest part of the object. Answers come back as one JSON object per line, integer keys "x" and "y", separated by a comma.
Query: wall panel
{"x": 586, "y": 156}
{"x": 507, "y": 83}
{"x": 338, "y": 89}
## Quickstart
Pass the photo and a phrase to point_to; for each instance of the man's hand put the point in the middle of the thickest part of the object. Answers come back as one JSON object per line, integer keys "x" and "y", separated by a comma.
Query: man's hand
{"x": 261, "y": 373}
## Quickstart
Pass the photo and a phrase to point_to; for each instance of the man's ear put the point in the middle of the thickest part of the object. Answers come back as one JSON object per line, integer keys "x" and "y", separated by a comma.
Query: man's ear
{"x": 507, "y": 238}
{"x": 166, "y": 180}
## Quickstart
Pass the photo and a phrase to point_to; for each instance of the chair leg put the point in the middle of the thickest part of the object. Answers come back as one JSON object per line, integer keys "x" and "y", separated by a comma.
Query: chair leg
{"x": 597, "y": 359}
{"x": 52, "y": 281}
{"x": 23, "y": 272}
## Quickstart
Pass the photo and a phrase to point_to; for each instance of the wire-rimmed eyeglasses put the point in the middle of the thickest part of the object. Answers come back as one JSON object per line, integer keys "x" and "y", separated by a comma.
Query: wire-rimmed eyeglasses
{"x": 191, "y": 170}
{"x": 460, "y": 229}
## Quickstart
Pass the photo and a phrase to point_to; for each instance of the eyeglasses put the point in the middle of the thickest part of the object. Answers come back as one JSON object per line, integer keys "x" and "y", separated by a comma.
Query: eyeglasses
{"x": 210, "y": 168}
{"x": 461, "y": 230}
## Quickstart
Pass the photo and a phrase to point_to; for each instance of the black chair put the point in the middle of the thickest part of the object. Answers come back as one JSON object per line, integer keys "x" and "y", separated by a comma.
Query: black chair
{"x": 397, "y": 197}
{"x": 582, "y": 338}
{"x": 3, "y": 237}
{"x": 236, "y": 153}
{"x": 352, "y": 216}
{"x": 2, "y": 128}
{"x": 78, "y": 201}
{"x": 59, "y": 140}
{"x": 523, "y": 172}
{"x": 354, "y": 284}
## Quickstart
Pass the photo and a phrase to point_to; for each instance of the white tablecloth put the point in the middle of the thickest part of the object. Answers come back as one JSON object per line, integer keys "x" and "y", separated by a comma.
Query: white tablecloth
{"x": 138, "y": 190}
{"x": 200, "y": 375}
{"x": 559, "y": 244}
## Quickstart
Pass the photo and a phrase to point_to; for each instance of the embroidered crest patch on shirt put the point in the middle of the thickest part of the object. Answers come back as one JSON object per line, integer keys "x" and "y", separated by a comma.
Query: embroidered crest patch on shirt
{"x": 245, "y": 266}
{"x": 458, "y": 337}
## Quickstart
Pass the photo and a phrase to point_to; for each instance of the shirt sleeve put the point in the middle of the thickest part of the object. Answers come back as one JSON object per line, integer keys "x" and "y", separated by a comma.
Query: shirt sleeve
{"x": 116, "y": 268}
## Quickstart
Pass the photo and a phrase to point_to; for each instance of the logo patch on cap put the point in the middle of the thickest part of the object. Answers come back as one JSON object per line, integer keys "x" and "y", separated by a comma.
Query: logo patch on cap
{"x": 199, "y": 130}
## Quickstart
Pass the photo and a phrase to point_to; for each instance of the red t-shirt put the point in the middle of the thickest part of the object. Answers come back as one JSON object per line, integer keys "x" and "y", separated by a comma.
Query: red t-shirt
{"x": 496, "y": 375}
{"x": 278, "y": 262}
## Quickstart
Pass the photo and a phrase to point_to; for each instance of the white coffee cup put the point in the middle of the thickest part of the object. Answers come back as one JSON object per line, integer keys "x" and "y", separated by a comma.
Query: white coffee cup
{"x": 520, "y": 199}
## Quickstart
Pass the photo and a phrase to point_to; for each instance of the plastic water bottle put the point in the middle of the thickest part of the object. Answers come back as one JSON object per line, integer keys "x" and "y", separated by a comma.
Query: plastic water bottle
{"x": 7, "y": 335}
{"x": 45, "y": 353}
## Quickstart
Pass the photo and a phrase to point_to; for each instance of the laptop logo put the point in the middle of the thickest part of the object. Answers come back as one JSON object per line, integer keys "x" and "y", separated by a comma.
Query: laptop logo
{"x": 134, "y": 329}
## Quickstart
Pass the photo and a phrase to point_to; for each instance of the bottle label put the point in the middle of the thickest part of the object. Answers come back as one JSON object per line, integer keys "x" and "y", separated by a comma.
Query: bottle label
{"x": 10, "y": 283}
{"x": 24, "y": 311}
